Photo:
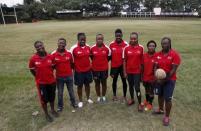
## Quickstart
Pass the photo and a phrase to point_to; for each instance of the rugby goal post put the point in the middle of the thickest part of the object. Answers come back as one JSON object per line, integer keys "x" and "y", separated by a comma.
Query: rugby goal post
{"x": 13, "y": 15}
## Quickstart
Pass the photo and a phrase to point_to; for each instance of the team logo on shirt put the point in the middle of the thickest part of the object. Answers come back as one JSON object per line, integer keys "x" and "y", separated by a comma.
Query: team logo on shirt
{"x": 57, "y": 59}
{"x": 37, "y": 63}
{"x": 95, "y": 52}
{"x": 79, "y": 52}
{"x": 67, "y": 58}
{"x": 88, "y": 51}
{"x": 138, "y": 52}
{"x": 129, "y": 52}
{"x": 114, "y": 49}
{"x": 158, "y": 57}
{"x": 104, "y": 52}
{"x": 49, "y": 61}
{"x": 169, "y": 57}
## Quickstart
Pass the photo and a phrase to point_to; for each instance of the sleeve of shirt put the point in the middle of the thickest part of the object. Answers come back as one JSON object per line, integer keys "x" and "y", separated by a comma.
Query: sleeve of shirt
{"x": 176, "y": 59}
{"x": 31, "y": 63}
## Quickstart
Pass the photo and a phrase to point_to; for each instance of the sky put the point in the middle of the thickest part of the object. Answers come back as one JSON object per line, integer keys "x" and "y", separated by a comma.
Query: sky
{"x": 10, "y": 3}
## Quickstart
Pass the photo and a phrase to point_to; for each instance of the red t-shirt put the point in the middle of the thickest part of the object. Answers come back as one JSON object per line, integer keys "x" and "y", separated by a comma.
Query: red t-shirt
{"x": 116, "y": 53}
{"x": 62, "y": 63}
{"x": 100, "y": 57}
{"x": 133, "y": 56}
{"x": 165, "y": 61}
{"x": 81, "y": 57}
{"x": 148, "y": 63}
{"x": 43, "y": 68}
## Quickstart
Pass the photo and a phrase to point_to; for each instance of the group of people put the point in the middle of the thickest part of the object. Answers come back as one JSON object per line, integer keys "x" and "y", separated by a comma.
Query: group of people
{"x": 82, "y": 64}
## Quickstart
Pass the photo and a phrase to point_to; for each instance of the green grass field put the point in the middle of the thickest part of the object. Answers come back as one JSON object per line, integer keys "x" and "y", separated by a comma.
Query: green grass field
{"x": 18, "y": 96}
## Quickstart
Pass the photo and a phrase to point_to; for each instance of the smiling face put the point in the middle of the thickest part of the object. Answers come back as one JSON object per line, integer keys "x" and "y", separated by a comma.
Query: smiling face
{"x": 39, "y": 47}
{"x": 82, "y": 40}
{"x": 61, "y": 44}
{"x": 118, "y": 37}
{"x": 133, "y": 39}
{"x": 151, "y": 47}
{"x": 99, "y": 40}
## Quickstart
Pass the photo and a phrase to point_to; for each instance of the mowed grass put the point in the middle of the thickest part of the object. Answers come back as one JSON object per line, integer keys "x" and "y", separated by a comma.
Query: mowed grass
{"x": 18, "y": 96}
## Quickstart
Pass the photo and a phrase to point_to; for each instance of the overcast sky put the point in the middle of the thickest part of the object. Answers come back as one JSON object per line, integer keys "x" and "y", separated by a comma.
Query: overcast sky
{"x": 11, "y": 2}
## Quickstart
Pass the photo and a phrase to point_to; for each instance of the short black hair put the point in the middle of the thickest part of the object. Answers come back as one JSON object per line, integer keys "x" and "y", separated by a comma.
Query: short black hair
{"x": 36, "y": 42}
{"x": 99, "y": 34}
{"x": 151, "y": 41}
{"x": 169, "y": 39}
{"x": 134, "y": 33}
{"x": 80, "y": 34}
{"x": 118, "y": 31}
{"x": 62, "y": 39}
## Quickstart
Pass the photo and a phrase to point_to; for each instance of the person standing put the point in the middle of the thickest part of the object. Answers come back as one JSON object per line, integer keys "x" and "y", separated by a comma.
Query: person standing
{"x": 132, "y": 63}
{"x": 168, "y": 60}
{"x": 63, "y": 61}
{"x": 41, "y": 67}
{"x": 82, "y": 64}
{"x": 100, "y": 54}
{"x": 116, "y": 48}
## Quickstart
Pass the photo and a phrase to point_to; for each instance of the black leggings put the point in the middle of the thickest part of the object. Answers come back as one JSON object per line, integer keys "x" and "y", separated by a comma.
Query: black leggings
{"x": 116, "y": 72}
{"x": 134, "y": 82}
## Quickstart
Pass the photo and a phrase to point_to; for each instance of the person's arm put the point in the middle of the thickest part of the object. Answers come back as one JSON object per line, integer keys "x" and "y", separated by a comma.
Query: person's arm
{"x": 124, "y": 68}
{"x": 33, "y": 72}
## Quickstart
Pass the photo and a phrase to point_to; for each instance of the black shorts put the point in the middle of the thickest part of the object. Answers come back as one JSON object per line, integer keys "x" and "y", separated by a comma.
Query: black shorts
{"x": 100, "y": 75}
{"x": 116, "y": 71}
{"x": 47, "y": 92}
{"x": 81, "y": 78}
{"x": 148, "y": 85}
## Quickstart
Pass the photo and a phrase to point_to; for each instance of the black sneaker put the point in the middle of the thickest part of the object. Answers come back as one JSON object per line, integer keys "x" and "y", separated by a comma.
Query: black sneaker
{"x": 49, "y": 118}
{"x": 74, "y": 105}
{"x": 55, "y": 114}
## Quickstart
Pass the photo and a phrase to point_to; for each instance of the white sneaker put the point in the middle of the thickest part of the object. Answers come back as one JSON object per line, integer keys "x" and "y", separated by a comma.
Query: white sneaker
{"x": 104, "y": 99}
{"x": 80, "y": 104}
{"x": 98, "y": 99}
{"x": 90, "y": 101}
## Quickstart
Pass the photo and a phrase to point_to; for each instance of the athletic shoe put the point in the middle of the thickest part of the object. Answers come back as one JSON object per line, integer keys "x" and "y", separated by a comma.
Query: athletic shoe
{"x": 130, "y": 102}
{"x": 148, "y": 107}
{"x": 158, "y": 112}
{"x": 140, "y": 107}
{"x": 59, "y": 110}
{"x": 104, "y": 99}
{"x": 123, "y": 100}
{"x": 75, "y": 105}
{"x": 98, "y": 99}
{"x": 90, "y": 101}
{"x": 115, "y": 98}
{"x": 80, "y": 104}
{"x": 49, "y": 118}
{"x": 145, "y": 103}
{"x": 166, "y": 121}
{"x": 55, "y": 114}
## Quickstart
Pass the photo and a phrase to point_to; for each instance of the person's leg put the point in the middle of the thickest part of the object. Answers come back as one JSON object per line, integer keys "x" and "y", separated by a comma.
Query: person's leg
{"x": 43, "y": 99}
{"x": 168, "y": 93}
{"x": 104, "y": 86}
{"x": 69, "y": 84}
{"x": 131, "y": 85}
{"x": 97, "y": 86}
{"x": 114, "y": 74}
{"x": 151, "y": 93}
{"x": 79, "y": 80}
{"x": 123, "y": 79}
{"x": 60, "y": 88}
{"x": 147, "y": 92}
{"x": 51, "y": 97}
{"x": 137, "y": 78}
{"x": 87, "y": 80}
